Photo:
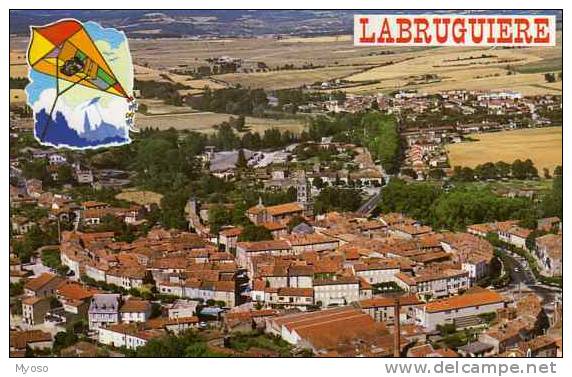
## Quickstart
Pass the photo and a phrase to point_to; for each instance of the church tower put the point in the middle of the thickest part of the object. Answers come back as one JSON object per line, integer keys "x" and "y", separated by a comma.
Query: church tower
{"x": 303, "y": 192}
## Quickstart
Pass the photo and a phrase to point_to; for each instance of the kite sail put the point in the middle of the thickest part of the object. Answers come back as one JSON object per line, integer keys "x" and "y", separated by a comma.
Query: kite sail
{"x": 70, "y": 56}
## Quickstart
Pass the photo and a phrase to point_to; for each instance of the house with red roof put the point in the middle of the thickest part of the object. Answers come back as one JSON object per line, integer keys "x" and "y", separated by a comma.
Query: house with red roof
{"x": 459, "y": 310}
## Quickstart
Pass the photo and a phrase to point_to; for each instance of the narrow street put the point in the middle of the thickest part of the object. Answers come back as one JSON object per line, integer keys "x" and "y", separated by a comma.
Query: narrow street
{"x": 523, "y": 281}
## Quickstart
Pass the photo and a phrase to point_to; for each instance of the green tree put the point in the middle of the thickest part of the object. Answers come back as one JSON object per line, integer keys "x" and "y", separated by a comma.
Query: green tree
{"x": 382, "y": 139}
{"x": 531, "y": 239}
{"x": 241, "y": 162}
{"x": 272, "y": 138}
{"x": 503, "y": 169}
{"x": 37, "y": 169}
{"x": 253, "y": 232}
{"x": 549, "y": 77}
{"x": 219, "y": 216}
{"x": 486, "y": 171}
{"x": 436, "y": 173}
{"x": 552, "y": 202}
{"x": 337, "y": 199}
{"x": 294, "y": 221}
{"x": 414, "y": 199}
{"x": 64, "y": 339}
{"x": 542, "y": 323}
{"x": 465, "y": 174}
{"x": 523, "y": 169}
{"x": 172, "y": 213}
{"x": 318, "y": 183}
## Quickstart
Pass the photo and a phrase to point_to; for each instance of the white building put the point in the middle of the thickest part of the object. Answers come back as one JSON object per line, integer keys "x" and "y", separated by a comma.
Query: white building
{"x": 182, "y": 309}
{"x": 434, "y": 284}
{"x": 135, "y": 311}
{"x": 452, "y": 310}
{"x": 126, "y": 335}
{"x": 376, "y": 273}
{"x": 104, "y": 310}
{"x": 339, "y": 291}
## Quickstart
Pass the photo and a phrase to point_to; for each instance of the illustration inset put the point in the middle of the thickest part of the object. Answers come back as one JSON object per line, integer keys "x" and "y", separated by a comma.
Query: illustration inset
{"x": 81, "y": 83}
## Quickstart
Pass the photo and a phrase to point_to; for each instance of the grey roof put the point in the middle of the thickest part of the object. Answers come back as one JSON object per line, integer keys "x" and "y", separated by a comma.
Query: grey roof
{"x": 227, "y": 160}
{"x": 476, "y": 347}
{"x": 302, "y": 228}
{"x": 107, "y": 302}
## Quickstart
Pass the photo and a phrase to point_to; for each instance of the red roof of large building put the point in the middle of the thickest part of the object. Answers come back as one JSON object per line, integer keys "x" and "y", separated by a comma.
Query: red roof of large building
{"x": 484, "y": 297}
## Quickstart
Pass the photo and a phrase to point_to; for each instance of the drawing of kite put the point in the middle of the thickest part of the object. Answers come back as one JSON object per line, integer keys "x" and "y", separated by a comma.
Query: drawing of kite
{"x": 81, "y": 80}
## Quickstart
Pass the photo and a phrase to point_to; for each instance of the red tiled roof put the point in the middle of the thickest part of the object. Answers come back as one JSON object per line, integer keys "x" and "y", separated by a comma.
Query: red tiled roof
{"x": 264, "y": 245}
{"x": 19, "y": 339}
{"x": 135, "y": 306}
{"x": 273, "y": 226}
{"x": 283, "y": 209}
{"x": 42, "y": 280}
{"x": 231, "y": 232}
{"x": 484, "y": 297}
{"x": 300, "y": 292}
{"x": 75, "y": 291}
{"x": 386, "y": 301}
{"x": 160, "y": 323}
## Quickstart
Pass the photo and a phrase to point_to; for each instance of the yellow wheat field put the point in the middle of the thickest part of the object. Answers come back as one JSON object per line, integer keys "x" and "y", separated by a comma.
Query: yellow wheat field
{"x": 542, "y": 145}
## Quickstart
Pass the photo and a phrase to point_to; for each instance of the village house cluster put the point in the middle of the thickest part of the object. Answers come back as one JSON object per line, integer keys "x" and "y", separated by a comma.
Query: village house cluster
{"x": 329, "y": 283}
{"x": 425, "y": 136}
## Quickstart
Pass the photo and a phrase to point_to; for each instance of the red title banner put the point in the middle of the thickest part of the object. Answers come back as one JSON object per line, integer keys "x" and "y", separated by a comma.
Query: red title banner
{"x": 454, "y": 30}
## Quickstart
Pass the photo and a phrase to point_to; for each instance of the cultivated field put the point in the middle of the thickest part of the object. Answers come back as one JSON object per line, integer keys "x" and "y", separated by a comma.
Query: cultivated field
{"x": 335, "y": 57}
{"x": 468, "y": 68}
{"x": 541, "y": 145}
{"x": 17, "y": 96}
{"x": 289, "y": 78}
{"x": 319, "y": 51}
{"x": 154, "y": 74}
{"x": 140, "y": 197}
{"x": 204, "y": 122}
{"x": 195, "y": 121}
{"x": 261, "y": 124}
{"x": 18, "y": 66}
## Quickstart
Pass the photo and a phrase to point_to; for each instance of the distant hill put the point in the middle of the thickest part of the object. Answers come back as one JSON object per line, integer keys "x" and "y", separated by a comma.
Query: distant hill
{"x": 215, "y": 23}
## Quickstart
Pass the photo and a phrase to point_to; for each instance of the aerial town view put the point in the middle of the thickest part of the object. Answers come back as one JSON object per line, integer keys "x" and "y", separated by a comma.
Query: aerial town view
{"x": 236, "y": 183}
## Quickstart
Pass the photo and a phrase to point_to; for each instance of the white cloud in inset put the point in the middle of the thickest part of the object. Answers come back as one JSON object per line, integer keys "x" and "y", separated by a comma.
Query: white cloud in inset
{"x": 111, "y": 111}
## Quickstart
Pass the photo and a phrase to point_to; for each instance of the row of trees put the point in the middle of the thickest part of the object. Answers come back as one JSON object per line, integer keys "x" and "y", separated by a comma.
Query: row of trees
{"x": 164, "y": 90}
{"x": 290, "y": 99}
{"x": 517, "y": 170}
{"x": 225, "y": 138}
{"x": 194, "y": 344}
{"x": 240, "y": 101}
{"x": 553, "y": 77}
{"x": 188, "y": 344}
{"x": 455, "y": 209}
{"x": 381, "y": 136}
{"x": 18, "y": 82}
{"x": 552, "y": 202}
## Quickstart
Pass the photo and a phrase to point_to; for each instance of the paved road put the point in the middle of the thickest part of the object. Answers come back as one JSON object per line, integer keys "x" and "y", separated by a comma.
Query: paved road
{"x": 370, "y": 204}
{"x": 523, "y": 281}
